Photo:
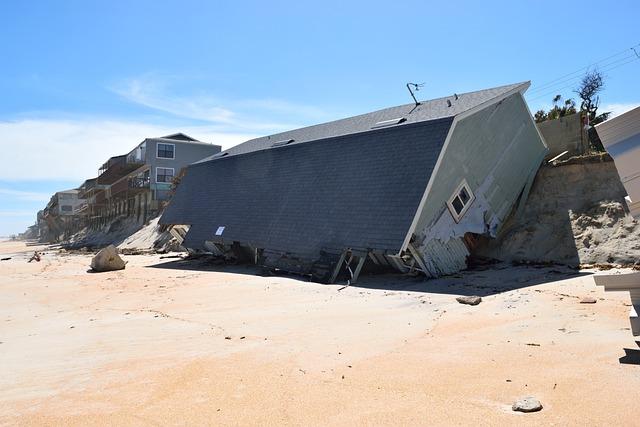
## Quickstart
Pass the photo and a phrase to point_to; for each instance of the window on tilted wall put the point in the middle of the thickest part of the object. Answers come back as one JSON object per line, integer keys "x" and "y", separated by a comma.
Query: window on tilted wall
{"x": 164, "y": 175}
{"x": 460, "y": 201}
{"x": 166, "y": 151}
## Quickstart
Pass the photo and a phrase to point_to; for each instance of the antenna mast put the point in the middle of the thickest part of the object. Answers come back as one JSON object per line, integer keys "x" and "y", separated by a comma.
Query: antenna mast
{"x": 416, "y": 87}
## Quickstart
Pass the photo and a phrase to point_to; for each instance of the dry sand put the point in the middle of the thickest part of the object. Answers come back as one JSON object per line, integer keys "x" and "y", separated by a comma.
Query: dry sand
{"x": 163, "y": 343}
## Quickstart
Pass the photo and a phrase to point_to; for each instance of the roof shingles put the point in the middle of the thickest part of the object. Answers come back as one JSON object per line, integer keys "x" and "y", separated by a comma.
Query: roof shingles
{"x": 353, "y": 191}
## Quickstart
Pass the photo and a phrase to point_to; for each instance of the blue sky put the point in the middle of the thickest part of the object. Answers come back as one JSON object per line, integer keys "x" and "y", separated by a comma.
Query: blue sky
{"x": 82, "y": 81}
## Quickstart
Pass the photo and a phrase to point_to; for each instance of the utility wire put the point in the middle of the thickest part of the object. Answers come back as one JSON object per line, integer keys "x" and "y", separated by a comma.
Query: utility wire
{"x": 572, "y": 83}
{"x": 543, "y": 86}
{"x": 549, "y": 88}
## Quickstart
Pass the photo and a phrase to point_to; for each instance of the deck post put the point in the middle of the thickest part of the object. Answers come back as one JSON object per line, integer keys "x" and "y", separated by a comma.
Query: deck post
{"x": 336, "y": 270}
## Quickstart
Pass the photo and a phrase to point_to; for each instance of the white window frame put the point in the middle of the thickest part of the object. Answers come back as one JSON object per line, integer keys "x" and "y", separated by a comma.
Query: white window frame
{"x": 173, "y": 173}
{"x": 158, "y": 150}
{"x": 458, "y": 216}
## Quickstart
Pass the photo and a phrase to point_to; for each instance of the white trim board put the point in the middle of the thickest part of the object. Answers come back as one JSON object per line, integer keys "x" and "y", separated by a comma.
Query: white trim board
{"x": 165, "y": 143}
{"x": 457, "y": 217}
{"x": 162, "y": 167}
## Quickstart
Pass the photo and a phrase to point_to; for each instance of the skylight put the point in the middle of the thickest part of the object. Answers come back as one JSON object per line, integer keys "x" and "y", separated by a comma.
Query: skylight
{"x": 389, "y": 122}
{"x": 283, "y": 142}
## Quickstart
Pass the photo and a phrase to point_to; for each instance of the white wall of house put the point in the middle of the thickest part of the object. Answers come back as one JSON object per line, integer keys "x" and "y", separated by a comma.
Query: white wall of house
{"x": 68, "y": 202}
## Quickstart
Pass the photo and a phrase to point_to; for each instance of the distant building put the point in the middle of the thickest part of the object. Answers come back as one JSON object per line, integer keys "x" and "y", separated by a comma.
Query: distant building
{"x": 69, "y": 202}
{"x": 136, "y": 183}
{"x": 408, "y": 187}
{"x": 60, "y": 216}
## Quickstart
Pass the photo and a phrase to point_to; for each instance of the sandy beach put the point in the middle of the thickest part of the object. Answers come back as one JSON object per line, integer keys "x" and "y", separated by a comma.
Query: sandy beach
{"x": 170, "y": 342}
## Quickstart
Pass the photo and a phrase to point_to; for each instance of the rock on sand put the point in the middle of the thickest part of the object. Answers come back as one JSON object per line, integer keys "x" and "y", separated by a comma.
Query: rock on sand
{"x": 107, "y": 260}
{"x": 469, "y": 300}
{"x": 527, "y": 404}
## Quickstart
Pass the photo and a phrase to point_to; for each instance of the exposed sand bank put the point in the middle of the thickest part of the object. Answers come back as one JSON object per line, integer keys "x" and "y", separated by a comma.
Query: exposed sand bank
{"x": 148, "y": 345}
{"x": 575, "y": 214}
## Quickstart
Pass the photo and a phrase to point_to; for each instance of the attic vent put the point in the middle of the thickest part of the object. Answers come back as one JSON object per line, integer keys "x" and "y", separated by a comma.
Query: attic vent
{"x": 283, "y": 142}
{"x": 389, "y": 122}
{"x": 221, "y": 154}
{"x": 448, "y": 103}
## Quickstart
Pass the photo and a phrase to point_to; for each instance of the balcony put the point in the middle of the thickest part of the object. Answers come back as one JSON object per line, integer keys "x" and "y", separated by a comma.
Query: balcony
{"x": 117, "y": 167}
{"x": 138, "y": 155}
{"x": 89, "y": 188}
{"x": 139, "y": 183}
{"x": 130, "y": 187}
{"x": 101, "y": 198}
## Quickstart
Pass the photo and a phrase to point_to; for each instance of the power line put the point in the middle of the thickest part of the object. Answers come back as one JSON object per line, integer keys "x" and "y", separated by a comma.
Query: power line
{"x": 574, "y": 77}
{"x": 551, "y": 83}
{"x": 571, "y": 81}
{"x": 572, "y": 84}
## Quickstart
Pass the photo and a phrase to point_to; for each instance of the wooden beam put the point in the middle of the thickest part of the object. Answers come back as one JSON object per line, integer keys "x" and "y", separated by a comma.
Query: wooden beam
{"x": 336, "y": 270}
{"x": 416, "y": 255}
{"x": 356, "y": 273}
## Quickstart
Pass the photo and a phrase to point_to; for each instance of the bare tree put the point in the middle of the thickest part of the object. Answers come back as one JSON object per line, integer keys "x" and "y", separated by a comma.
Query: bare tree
{"x": 590, "y": 86}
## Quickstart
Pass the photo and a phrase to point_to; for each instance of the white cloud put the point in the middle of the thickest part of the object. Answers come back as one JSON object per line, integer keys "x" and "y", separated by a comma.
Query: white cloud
{"x": 74, "y": 149}
{"x": 279, "y": 106}
{"x": 149, "y": 91}
{"x": 253, "y": 115}
{"x": 27, "y": 196}
{"x": 617, "y": 109}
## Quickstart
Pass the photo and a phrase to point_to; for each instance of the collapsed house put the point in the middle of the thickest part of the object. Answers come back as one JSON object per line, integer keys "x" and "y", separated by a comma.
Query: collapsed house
{"x": 408, "y": 187}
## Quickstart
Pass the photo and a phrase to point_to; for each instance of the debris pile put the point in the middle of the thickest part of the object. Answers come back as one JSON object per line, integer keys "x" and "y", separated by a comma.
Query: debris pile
{"x": 152, "y": 237}
{"x": 129, "y": 236}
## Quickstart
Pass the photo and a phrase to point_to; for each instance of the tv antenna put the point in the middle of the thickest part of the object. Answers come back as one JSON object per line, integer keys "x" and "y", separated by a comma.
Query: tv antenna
{"x": 416, "y": 87}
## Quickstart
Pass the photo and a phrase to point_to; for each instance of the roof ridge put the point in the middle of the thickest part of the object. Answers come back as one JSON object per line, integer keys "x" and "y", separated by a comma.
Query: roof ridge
{"x": 425, "y": 110}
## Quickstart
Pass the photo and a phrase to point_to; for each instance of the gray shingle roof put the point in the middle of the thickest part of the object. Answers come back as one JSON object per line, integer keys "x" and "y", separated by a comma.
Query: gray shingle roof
{"x": 358, "y": 191}
{"x": 427, "y": 110}
{"x": 179, "y": 136}
{"x": 178, "y": 140}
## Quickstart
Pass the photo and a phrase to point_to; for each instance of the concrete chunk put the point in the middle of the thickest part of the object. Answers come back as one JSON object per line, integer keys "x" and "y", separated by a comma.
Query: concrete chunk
{"x": 107, "y": 260}
{"x": 469, "y": 300}
{"x": 527, "y": 404}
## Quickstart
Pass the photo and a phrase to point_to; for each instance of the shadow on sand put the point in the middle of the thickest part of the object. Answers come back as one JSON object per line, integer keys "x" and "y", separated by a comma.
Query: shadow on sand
{"x": 482, "y": 282}
{"x": 631, "y": 357}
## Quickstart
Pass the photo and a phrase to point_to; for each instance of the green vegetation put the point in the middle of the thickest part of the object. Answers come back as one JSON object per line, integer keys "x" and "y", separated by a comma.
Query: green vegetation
{"x": 588, "y": 91}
